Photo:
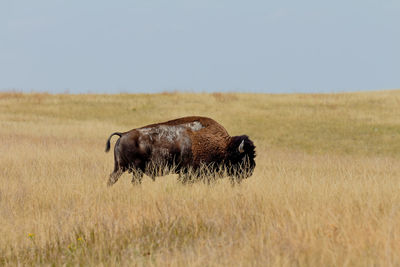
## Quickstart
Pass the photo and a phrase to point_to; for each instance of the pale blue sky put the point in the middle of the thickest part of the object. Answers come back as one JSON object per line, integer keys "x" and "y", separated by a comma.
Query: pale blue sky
{"x": 208, "y": 45}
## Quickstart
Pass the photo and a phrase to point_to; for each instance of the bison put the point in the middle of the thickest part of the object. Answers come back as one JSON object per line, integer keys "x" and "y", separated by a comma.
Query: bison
{"x": 186, "y": 146}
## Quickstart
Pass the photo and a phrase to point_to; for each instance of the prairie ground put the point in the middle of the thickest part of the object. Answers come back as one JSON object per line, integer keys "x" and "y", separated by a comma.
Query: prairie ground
{"x": 325, "y": 191}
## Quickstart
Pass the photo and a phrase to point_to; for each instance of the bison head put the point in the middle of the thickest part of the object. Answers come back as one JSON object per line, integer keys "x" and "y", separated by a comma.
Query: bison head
{"x": 240, "y": 156}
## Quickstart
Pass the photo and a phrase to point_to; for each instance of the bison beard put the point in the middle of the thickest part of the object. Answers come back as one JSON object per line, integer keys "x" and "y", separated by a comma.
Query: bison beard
{"x": 191, "y": 147}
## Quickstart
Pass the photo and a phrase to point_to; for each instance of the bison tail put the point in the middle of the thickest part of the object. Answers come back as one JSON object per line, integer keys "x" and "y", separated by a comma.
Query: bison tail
{"x": 108, "y": 141}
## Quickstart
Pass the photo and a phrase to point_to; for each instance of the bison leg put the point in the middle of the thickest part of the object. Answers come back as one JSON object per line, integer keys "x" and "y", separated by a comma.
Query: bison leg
{"x": 137, "y": 176}
{"x": 114, "y": 177}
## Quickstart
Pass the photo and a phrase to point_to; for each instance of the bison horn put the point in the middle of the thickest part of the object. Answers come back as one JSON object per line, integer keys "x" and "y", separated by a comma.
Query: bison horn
{"x": 240, "y": 148}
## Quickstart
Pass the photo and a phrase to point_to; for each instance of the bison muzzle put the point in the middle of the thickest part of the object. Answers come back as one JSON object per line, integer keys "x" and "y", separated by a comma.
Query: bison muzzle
{"x": 189, "y": 146}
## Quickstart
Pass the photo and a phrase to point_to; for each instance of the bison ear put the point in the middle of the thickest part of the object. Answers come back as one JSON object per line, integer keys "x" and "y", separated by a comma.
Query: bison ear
{"x": 241, "y": 147}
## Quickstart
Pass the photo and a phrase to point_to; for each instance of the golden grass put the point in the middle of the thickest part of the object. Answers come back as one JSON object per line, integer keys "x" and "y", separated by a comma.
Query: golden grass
{"x": 325, "y": 191}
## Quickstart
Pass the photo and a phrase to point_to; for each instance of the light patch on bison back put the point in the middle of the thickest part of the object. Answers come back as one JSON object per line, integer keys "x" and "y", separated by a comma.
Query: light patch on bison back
{"x": 194, "y": 126}
{"x": 164, "y": 133}
{"x": 170, "y": 133}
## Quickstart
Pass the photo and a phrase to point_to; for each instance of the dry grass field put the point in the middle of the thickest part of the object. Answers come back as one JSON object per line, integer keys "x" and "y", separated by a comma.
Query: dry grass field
{"x": 325, "y": 192}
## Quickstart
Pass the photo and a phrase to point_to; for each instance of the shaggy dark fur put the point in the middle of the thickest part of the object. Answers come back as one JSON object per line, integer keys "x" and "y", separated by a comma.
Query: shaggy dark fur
{"x": 240, "y": 162}
{"x": 185, "y": 146}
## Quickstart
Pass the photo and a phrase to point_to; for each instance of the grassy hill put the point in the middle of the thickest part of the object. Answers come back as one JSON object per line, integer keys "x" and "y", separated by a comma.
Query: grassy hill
{"x": 324, "y": 192}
